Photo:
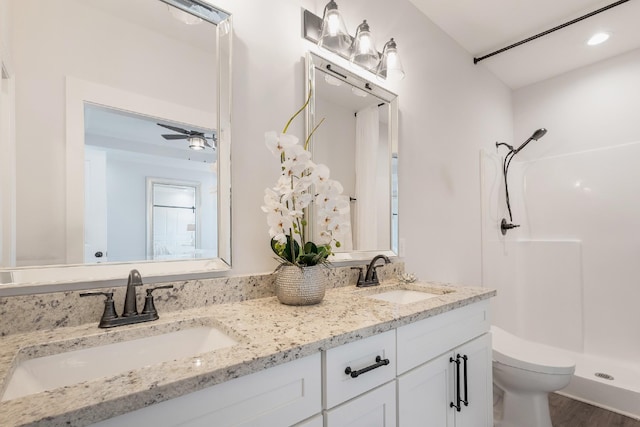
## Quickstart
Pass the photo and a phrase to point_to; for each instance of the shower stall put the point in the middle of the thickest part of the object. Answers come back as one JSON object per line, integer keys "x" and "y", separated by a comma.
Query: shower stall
{"x": 569, "y": 276}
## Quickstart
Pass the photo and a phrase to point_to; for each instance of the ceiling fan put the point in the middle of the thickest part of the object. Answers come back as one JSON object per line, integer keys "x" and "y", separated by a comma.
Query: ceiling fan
{"x": 197, "y": 140}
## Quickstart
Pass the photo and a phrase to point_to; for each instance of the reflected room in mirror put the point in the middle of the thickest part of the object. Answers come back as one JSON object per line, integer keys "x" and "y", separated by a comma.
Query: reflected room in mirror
{"x": 120, "y": 136}
{"x": 358, "y": 141}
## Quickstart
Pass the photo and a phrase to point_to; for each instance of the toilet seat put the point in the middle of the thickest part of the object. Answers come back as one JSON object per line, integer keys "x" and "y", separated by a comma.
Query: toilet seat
{"x": 522, "y": 354}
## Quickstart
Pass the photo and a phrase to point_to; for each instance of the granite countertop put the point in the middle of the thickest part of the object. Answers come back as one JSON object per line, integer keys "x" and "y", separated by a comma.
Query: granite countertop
{"x": 268, "y": 334}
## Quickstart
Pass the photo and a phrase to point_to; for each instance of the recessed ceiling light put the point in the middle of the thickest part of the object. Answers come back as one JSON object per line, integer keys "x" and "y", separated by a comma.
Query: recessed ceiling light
{"x": 598, "y": 38}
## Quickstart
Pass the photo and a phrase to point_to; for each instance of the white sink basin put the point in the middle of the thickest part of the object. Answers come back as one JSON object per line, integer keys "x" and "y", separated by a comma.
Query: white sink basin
{"x": 73, "y": 367}
{"x": 404, "y": 296}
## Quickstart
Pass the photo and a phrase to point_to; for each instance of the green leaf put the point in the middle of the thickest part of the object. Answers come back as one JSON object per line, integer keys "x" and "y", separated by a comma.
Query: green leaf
{"x": 289, "y": 254}
{"x": 310, "y": 248}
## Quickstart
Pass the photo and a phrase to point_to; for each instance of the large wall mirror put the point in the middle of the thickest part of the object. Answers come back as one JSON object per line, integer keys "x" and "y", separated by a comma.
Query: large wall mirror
{"x": 119, "y": 121}
{"x": 358, "y": 141}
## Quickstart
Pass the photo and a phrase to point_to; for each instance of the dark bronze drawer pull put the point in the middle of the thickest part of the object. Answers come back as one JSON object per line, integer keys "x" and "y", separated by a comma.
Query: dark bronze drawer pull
{"x": 379, "y": 362}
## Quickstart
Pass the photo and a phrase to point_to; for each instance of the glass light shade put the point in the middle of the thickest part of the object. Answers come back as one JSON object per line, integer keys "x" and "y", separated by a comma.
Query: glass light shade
{"x": 390, "y": 67}
{"x": 334, "y": 34}
{"x": 364, "y": 53}
{"x": 196, "y": 142}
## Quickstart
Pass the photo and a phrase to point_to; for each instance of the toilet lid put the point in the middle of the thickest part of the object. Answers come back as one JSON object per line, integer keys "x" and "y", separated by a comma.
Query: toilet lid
{"x": 518, "y": 353}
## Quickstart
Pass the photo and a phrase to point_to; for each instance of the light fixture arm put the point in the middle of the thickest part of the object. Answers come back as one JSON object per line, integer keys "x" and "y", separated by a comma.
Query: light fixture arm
{"x": 332, "y": 5}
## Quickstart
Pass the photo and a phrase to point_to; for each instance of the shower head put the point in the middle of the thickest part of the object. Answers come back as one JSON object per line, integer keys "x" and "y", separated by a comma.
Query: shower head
{"x": 536, "y": 136}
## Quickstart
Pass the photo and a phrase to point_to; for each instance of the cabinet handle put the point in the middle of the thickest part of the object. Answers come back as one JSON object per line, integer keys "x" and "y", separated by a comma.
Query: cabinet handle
{"x": 466, "y": 397}
{"x": 379, "y": 362}
{"x": 458, "y": 399}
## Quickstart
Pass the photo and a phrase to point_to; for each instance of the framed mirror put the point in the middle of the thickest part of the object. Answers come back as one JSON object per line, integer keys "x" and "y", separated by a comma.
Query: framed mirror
{"x": 117, "y": 118}
{"x": 358, "y": 141}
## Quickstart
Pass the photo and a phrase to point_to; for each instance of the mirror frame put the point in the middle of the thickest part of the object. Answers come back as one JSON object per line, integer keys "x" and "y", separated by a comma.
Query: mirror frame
{"x": 314, "y": 62}
{"x": 38, "y": 279}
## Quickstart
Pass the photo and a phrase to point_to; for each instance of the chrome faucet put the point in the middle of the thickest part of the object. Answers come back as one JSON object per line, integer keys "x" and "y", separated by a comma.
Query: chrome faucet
{"x": 370, "y": 278}
{"x": 130, "y": 314}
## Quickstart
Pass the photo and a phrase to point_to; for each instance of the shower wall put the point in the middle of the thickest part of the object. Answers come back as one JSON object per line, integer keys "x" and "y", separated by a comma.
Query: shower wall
{"x": 570, "y": 276}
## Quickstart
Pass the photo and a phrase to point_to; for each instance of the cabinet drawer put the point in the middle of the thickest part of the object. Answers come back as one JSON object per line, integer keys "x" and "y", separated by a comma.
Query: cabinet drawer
{"x": 424, "y": 340}
{"x": 358, "y": 356}
{"x": 375, "y": 408}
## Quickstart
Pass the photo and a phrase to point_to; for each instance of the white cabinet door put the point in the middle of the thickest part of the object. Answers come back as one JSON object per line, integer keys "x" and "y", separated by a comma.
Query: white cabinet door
{"x": 478, "y": 412}
{"x": 376, "y": 408}
{"x": 312, "y": 422}
{"x": 424, "y": 395}
{"x": 428, "y": 395}
{"x": 280, "y": 396}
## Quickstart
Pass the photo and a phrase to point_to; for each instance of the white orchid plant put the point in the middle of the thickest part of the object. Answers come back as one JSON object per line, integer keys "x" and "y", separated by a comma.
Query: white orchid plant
{"x": 301, "y": 183}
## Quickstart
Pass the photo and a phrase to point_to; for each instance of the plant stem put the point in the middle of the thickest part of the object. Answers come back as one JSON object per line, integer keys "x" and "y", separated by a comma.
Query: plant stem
{"x": 298, "y": 112}
{"x": 306, "y": 142}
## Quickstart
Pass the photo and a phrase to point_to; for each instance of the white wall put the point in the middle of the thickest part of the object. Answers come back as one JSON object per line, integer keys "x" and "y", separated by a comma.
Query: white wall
{"x": 449, "y": 108}
{"x": 574, "y": 264}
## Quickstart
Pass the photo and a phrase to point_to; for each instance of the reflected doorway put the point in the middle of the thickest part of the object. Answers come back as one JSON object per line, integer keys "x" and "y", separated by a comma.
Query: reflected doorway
{"x": 174, "y": 215}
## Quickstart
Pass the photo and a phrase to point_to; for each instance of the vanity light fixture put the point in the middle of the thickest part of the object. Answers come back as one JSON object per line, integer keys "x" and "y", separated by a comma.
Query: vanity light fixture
{"x": 363, "y": 50}
{"x": 329, "y": 32}
{"x": 598, "y": 38}
{"x": 197, "y": 143}
{"x": 390, "y": 66}
{"x": 334, "y": 34}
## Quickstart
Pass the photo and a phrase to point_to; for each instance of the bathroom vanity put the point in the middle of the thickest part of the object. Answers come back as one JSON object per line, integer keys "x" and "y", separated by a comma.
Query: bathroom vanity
{"x": 396, "y": 354}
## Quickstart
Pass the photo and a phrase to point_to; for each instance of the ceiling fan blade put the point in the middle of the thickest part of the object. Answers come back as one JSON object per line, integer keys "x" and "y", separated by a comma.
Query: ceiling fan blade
{"x": 175, "y": 129}
{"x": 172, "y": 136}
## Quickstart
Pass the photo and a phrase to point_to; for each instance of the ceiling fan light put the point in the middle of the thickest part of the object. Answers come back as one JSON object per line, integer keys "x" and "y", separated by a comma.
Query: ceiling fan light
{"x": 196, "y": 143}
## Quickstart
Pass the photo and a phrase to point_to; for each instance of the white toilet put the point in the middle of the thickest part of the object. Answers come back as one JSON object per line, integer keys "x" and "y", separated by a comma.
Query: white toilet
{"x": 527, "y": 372}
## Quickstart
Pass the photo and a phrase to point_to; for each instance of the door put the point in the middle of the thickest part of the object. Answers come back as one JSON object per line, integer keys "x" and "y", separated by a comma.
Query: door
{"x": 376, "y": 408}
{"x": 479, "y": 384}
{"x": 175, "y": 229}
{"x": 424, "y": 395}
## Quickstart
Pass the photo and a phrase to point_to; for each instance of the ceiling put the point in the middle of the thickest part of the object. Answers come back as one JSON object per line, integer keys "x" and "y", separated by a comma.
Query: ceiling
{"x": 134, "y": 133}
{"x": 481, "y": 27}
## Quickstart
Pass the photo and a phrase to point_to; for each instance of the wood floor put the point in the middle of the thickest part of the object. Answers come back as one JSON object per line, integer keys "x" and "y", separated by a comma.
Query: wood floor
{"x": 567, "y": 412}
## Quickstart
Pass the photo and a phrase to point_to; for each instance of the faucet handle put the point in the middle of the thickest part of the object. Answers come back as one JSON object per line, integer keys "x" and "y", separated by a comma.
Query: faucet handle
{"x": 360, "y": 276}
{"x": 109, "y": 312}
{"x": 149, "y": 306}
